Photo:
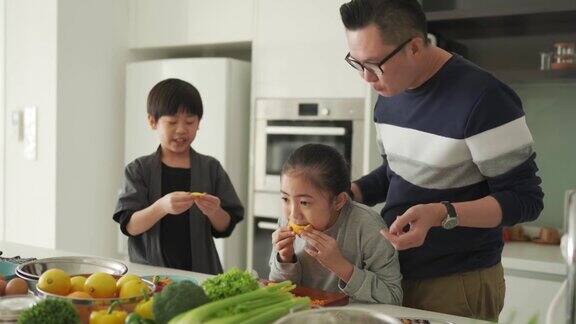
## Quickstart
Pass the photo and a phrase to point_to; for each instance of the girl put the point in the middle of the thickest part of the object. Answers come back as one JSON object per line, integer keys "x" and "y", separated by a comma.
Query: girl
{"x": 339, "y": 247}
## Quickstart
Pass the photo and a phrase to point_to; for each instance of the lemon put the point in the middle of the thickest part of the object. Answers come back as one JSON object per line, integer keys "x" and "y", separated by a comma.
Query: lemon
{"x": 55, "y": 281}
{"x": 77, "y": 283}
{"x": 124, "y": 279}
{"x": 100, "y": 285}
{"x": 133, "y": 288}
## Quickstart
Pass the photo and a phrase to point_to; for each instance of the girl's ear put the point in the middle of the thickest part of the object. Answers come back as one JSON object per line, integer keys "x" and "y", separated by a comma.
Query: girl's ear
{"x": 340, "y": 200}
{"x": 152, "y": 121}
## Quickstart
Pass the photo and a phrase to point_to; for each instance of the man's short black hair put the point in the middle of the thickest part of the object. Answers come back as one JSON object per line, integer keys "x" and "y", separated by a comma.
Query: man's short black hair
{"x": 398, "y": 20}
{"x": 170, "y": 96}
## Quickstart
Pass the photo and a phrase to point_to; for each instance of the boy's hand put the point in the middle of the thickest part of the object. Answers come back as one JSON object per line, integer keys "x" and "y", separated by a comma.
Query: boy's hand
{"x": 283, "y": 241}
{"x": 326, "y": 251}
{"x": 209, "y": 205}
{"x": 176, "y": 202}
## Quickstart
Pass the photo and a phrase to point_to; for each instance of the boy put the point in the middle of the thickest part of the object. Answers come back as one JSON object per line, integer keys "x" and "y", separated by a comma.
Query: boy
{"x": 176, "y": 200}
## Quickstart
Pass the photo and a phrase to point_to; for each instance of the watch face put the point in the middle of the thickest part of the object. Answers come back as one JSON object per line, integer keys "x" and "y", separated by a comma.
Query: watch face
{"x": 450, "y": 222}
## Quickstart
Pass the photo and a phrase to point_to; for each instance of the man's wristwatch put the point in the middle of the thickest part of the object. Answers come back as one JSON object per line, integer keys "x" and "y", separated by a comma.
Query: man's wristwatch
{"x": 451, "y": 219}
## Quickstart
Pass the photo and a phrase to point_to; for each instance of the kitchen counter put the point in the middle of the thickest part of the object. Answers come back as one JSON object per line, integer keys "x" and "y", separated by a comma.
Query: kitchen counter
{"x": 533, "y": 257}
{"x": 12, "y": 249}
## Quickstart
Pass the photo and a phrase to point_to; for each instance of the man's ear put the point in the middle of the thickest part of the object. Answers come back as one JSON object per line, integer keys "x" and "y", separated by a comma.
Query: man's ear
{"x": 340, "y": 200}
{"x": 152, "y": 122}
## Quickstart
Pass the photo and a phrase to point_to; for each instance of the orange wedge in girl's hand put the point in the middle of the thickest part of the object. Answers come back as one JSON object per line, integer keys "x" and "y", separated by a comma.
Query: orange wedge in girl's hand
{"x": 297, "y": 229}
{"x": 197, "y": 194}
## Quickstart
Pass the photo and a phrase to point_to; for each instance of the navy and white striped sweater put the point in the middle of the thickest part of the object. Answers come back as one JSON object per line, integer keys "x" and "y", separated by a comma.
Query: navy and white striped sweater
{"x": 460, "y": 136}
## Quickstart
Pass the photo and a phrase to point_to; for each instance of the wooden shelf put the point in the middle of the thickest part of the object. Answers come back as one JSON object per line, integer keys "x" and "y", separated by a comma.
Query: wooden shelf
{"x": 536, "y": 76}
{"x": 482, "y": 23}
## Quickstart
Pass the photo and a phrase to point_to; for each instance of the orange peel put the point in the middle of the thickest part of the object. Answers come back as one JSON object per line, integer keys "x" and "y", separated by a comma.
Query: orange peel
{"x": 197, "y": 194}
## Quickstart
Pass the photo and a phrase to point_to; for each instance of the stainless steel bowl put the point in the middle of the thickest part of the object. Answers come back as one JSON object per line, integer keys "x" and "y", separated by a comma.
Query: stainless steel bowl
{"x": 337, "y": 315}
{"x": 74, "y": 264}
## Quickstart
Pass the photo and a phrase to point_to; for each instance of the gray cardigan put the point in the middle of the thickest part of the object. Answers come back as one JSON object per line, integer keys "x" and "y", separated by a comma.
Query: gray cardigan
{"x": 376, "y": 277}
{"x": 142, "y": 187}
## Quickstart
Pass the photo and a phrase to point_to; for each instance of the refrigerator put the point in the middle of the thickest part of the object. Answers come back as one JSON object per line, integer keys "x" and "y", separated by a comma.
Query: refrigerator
{"x": 224, "y": 85}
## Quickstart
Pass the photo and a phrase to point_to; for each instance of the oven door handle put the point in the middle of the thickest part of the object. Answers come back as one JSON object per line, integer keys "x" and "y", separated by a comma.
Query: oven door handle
{"x": 306, "y": 130}
{"x": 267, "y": 225}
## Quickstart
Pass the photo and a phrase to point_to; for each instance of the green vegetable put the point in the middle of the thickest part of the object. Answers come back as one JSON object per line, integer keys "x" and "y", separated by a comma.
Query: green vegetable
{"x": 134, "y": 318}
{"x": 50, "y": 311}
{"x": 265, "y": 304}
{"x": 177, "y": 298}
{"x": 231, "y": 283}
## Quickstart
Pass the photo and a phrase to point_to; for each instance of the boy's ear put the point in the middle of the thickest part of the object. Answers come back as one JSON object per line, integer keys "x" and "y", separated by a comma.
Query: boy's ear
{"x": 152, "y": 121}
{"x": 340, "y": 200}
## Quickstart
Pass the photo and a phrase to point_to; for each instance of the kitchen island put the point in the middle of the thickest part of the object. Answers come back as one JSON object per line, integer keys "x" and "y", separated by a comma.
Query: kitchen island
{"x": 12, "y": 249}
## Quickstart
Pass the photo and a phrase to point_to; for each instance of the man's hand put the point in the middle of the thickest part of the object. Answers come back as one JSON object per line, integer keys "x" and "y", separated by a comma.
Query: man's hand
{"x": 176, "y": 202}
{"x": 418, "y": 219}
{"x": 283, "y": 241}
{"x": 326, "y": 251}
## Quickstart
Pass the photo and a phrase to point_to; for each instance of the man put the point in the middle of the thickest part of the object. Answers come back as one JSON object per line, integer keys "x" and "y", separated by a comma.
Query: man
{"x": 458, "y": 160}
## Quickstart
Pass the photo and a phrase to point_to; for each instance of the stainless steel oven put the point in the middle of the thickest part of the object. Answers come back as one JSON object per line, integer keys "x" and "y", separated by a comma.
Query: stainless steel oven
{"x": 283, "y": 125}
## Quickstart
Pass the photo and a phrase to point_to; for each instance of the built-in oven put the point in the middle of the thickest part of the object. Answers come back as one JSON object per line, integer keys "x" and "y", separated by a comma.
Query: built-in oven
{"x": 283, "y": 125}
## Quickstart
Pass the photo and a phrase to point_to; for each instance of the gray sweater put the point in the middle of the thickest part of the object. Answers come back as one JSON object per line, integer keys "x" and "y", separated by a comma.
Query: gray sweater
{"x": 376, "y": 277}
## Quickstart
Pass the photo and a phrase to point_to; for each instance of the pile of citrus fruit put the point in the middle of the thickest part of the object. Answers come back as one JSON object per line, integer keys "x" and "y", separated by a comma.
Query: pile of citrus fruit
{"x": 96, "y": 285}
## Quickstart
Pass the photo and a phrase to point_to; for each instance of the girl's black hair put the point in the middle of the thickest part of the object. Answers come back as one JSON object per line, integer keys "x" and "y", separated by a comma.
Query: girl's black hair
{"x": 322, "y": 165}
{"x": 170, "y": 96}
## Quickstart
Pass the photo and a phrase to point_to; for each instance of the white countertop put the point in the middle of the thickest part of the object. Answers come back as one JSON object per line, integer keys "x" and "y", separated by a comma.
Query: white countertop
{"x": 533, "y": 257}
{"x": 12, "y": 249}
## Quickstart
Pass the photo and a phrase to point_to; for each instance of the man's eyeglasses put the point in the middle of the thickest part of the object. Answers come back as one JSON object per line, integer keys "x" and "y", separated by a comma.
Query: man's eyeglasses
{"x": 375, "y": 68}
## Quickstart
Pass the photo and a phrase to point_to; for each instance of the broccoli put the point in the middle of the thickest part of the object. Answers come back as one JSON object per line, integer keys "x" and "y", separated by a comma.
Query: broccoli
{"x": 50, "y": 311}
{"x": 177, "y": 298}
{"x": 231, "y": 283}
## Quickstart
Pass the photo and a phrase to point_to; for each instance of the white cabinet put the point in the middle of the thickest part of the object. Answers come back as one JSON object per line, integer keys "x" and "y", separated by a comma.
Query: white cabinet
{"x": 528, "y": 294}
{"x": 166, "y": 23}
{"x": 298, "y": 51}
{"x": 533, "y": 274}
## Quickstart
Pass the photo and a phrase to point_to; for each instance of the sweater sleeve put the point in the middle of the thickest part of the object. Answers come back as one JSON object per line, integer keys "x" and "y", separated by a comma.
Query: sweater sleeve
{"x": 229, "y": 201}
{"x": 132, "y": 196}
{"x": 502, "y": 148}
{"x": 379, "y": 279}
{"x": 374, "y": 185}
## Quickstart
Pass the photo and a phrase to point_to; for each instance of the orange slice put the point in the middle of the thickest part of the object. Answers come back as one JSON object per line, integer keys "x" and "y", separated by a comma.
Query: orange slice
{"x": 197, "y": 194}
{"x": 297, "y": 229}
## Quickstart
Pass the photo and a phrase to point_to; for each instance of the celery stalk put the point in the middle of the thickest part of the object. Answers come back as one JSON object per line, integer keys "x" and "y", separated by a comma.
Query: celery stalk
{"x": 203, "y": 313}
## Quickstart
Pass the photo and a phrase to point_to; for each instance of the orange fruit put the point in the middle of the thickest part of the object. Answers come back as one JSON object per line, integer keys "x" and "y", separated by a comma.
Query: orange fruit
{"x": 55, "y": 281}
{"x": 100, "y": 285}
{"x": 77, "y": 283}
{"x": 124, "y": 279}
{"x": 133, "y": 288}
{"x": 79, "y": 295}
{"x": 297, "y": 229}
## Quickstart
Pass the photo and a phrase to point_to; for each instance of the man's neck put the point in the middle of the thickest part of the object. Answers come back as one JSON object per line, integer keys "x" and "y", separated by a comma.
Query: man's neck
{"x": 431, "y": 64}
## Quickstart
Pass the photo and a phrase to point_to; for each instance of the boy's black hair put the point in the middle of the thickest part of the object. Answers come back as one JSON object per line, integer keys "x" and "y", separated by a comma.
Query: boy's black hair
{"x": 397, "y": 20}
{"x": 170, "y": 96}
{"x": 322, "y": 165}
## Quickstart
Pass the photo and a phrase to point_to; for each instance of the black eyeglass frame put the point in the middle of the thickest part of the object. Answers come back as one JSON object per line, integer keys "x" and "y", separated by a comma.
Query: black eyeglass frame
{"x": 361, "y": 67}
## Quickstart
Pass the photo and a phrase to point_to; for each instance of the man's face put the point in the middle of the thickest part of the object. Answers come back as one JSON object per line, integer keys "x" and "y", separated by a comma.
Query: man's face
{"x": 366, "y": 46}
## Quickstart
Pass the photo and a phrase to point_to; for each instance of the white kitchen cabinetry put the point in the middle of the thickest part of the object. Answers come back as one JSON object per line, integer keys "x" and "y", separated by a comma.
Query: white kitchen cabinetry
{"x": 533, "y": 274}
{"x": 298, "y": 51}
{"x": 169, "y": 23}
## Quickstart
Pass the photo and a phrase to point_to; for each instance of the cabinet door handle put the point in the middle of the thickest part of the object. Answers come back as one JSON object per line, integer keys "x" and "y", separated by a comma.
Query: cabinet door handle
{"x": 267, "y": 226}
{"x": 304, "y": 130}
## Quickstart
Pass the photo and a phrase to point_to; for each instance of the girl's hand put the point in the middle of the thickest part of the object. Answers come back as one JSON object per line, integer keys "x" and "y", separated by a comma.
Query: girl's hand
{"x": 176, "y": 202}
{"x": 209, "y": 205}
{"x": 326, "y": 251}
{"x": 283, "y": 241}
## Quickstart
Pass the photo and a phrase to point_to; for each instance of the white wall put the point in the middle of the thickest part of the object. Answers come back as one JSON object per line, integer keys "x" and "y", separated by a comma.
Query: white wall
{"x": 66, "y": 58}
{"x": 31, "y": 63}
{"x": 2, "y": 112}
{"x": 92, "y": 53}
